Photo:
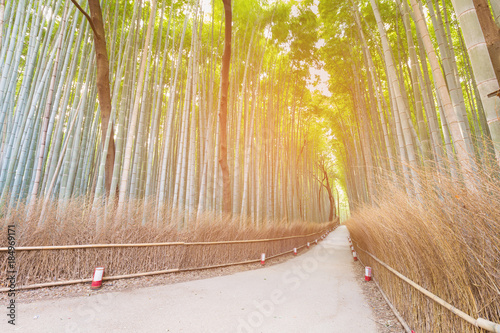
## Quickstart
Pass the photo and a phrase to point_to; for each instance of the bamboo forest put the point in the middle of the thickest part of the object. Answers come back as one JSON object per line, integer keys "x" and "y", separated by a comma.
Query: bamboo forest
{"x": 215, "y": 120}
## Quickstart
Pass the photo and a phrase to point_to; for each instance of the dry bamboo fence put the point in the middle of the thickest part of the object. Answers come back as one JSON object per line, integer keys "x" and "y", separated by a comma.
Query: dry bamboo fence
{"x": 479, "y": 322}
{"x": 400, "y": 318}
{"x": 66, "y": 264}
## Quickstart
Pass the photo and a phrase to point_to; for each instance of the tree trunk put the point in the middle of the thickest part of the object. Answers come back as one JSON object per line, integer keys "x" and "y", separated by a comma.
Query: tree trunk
{"x": 226, "y": 57}
{"x": 103, "y": 90}
{"x": 328, "y": 188}
{"x": 491, "y": 33}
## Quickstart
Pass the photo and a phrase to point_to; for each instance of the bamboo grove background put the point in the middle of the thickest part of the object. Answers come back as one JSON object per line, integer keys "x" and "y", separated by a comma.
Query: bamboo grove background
{"x": 417, "y": 85}
{"x": 419, "y": 142}
{"x": 165, "y": 88}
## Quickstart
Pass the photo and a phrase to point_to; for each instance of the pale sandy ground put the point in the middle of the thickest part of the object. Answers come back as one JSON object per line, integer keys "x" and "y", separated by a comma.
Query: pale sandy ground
{"x": 315, "y": 292}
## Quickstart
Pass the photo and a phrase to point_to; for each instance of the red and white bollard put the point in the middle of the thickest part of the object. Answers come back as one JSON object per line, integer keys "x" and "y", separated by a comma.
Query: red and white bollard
{"x": 316, "y": 241}
{"x": 354, "y": 255}
{"x": 262, "y": 258}
{"x": 352, "y": 248}
{"x": 308, "y": 244}
{"x": 368, "y": 273}
{"x": 97, "y": 278}
{"x": 294, "y": 251}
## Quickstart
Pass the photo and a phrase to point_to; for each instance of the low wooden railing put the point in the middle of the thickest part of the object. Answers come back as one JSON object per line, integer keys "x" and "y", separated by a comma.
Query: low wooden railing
{"x": 186, "y": 245}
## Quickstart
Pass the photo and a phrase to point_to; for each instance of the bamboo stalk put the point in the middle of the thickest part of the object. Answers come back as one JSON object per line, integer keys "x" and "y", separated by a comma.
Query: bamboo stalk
{"x": 394, "y": 310}
{"x": 479, "y": 322}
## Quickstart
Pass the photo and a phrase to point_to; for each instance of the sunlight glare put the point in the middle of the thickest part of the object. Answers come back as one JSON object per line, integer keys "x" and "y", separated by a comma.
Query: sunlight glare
{"x": 322, "y": 85}
{"x": 206, "y": 6}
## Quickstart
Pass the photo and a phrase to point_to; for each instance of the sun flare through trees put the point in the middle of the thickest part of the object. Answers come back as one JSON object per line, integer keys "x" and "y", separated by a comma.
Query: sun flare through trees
{"x": 120, "y": 115}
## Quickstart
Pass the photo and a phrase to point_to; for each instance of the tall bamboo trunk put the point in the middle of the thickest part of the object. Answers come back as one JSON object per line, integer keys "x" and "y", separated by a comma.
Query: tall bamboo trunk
{"x": 464, "y": 159}
{"x": 406, "y": 125}
{"x": 226, "y": 58}
{"x": 491, "y": 33}
{"x": 482, "y": 67}
{"x": 124, "y": 179}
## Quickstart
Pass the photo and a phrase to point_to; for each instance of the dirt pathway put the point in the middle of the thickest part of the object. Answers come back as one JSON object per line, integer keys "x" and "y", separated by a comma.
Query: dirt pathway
{"x": 315, "y": 292}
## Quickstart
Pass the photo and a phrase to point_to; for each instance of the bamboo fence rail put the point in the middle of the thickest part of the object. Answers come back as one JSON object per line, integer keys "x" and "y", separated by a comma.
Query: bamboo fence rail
{"x": 479, "y": 322}
{"x": 167, "y": 271}
{"x": 90, "y": 246}
{"x": 393, "y": 308}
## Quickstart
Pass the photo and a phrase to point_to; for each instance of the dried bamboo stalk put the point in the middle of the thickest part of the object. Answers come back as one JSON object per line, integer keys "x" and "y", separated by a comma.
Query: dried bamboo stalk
{"x": 479, "y": 322}
{"x": 128, "y": 276}
{"x": 89, "y": 246}
{"x": 394, "y": 310}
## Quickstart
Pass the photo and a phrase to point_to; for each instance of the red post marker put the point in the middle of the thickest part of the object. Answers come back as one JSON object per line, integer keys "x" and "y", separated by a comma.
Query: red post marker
{"x": 307, "y": 244}
{"x": 355, "y": 256}
{"x": 352, "y": 248}
{"x": 368, "y": 273}
{"x": 262, "y": 258}
{"x": 97, "y": 278}
{"x": 294, "y": 251}
{"x": 316, "y": 241}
